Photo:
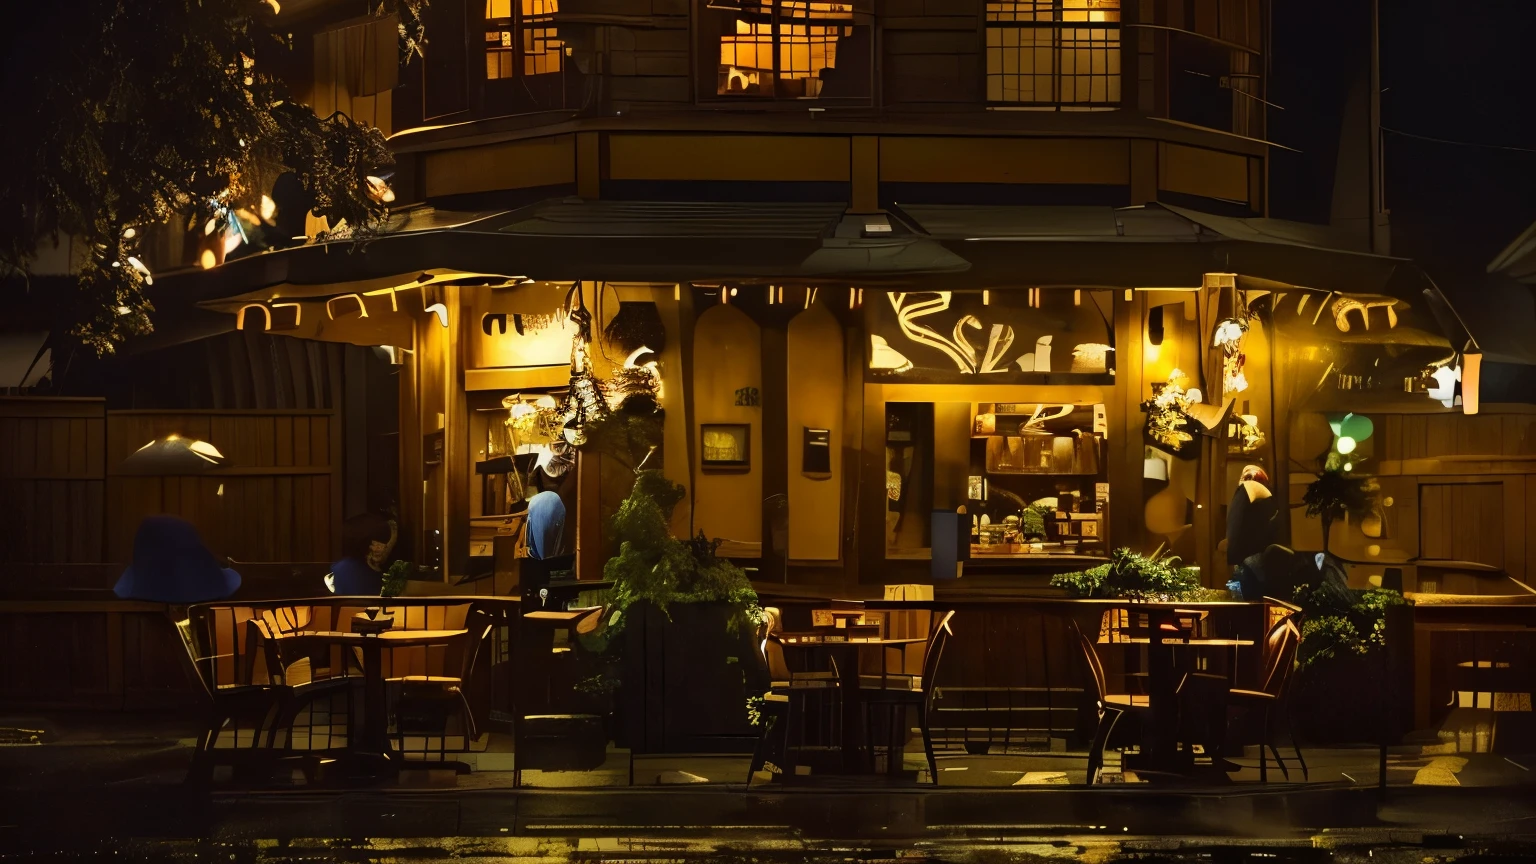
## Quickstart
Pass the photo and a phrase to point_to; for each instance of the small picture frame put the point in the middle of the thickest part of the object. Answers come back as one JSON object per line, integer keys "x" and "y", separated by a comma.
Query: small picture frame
{"x": 1090, "y": 527}
{"x": 726, "y": 446}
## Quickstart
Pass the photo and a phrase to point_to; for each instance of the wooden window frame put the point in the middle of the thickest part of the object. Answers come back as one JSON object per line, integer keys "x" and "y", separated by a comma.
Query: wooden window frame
{"x": 516, "y": 28}
{"x": 709, "y": 55}
{"x": 1057, "y": 24}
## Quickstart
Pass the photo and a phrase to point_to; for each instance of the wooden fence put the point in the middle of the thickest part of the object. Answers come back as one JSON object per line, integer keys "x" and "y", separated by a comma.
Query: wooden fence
{"x": 278, "y": 498}
{"x": 52, "y": 479}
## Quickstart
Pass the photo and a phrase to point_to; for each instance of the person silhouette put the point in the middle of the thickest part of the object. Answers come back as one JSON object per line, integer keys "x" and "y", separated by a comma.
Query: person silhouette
{"x": 171, "y": 565}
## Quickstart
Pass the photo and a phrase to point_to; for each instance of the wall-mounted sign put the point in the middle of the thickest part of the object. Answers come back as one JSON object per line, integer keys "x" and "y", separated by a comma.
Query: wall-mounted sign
{"x": 944, "y": 337}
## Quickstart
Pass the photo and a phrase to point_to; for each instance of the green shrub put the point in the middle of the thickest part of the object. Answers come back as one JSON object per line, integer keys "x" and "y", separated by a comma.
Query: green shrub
{"x": 1131, "y": 575}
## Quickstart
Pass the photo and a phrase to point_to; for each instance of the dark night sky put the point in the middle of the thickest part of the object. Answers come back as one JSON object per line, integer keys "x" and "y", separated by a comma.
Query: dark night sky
{"x": 1463, "y": 71}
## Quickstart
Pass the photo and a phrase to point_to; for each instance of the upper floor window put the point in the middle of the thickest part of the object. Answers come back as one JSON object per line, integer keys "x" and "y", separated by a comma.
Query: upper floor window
{"x": 1054, "y": 53}
{"x": 521, "y": 38}
{"x": 785, "y": 49}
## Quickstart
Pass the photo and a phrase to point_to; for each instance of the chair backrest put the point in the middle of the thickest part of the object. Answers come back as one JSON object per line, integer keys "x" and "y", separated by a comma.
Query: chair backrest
{"x": 202, "y": 665}
{"x": 1095, "y": 665}
{"x": 1279, "y": 656}
{"x": 769, "y": 646}
{"x": 935, "y": 650}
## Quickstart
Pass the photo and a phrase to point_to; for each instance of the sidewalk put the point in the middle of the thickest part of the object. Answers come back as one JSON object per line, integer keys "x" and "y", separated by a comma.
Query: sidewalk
{"x": 98, "y": 777}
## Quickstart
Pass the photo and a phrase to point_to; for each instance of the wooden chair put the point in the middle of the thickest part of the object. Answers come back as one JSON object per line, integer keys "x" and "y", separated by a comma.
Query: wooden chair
{"x": 1108, "y": 713}
{"x": 428, "y": 700}
{"x": 1278, "y": 666}
{"x": 247, "y": 712}
{"x": 783, "y": 705}
{"x": 1280, "y": 646}
{"x": 900, "y": 691}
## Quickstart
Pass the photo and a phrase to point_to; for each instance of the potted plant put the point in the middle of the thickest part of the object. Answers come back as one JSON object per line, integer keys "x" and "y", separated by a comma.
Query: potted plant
{"x": 1342, "y": 680}
{"x": 1337, "y": 493}
{"x": 677, "y": 631}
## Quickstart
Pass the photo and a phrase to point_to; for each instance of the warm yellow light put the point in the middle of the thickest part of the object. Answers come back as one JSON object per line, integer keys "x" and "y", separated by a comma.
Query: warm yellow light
{"x": 1346, "y": 445}
{"x": 1471, "y": 377}
{"x": 330, "y": 311}
{"x": 268, "y": 206}
{"x": 266, "y": 316}
{"x": 207, "y": 260}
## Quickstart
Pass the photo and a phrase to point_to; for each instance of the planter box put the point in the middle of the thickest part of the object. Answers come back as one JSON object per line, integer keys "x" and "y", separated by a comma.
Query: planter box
{"x": 686, "y": 680}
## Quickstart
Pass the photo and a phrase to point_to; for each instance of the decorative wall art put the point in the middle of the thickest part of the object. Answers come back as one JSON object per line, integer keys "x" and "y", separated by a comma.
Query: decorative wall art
{"x": 726, "y": 445}
{"x": 945, "y": 337}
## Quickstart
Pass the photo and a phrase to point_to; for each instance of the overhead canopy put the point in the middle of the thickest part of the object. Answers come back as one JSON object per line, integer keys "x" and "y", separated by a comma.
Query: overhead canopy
{"x": 932, "y": 247}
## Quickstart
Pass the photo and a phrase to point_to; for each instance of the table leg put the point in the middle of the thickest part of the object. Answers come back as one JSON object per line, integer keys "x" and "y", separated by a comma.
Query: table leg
{"x": 375, "y": 714}
{"x": 1164, "y": 709}
{"x": 852, "y": 713}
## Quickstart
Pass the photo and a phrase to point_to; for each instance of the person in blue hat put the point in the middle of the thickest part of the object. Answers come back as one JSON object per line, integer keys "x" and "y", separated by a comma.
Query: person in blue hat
{"x": 171, "y": 565}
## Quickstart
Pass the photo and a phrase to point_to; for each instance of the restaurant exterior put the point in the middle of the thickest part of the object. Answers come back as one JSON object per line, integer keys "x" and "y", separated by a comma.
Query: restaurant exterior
{"x": 830, "y": 375}
{"x": 938, "y": 323}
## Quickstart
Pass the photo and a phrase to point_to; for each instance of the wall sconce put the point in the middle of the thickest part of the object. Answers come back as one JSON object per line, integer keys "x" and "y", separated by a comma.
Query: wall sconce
{"x": 173, "y": 455}
{"x": 1155, "y": 326}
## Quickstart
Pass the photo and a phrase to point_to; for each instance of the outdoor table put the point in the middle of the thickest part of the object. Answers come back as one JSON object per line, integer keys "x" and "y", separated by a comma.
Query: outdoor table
{"x": 844, "y": 652}
{"x": 1162, "y": 746}
{"x": 373, "y": 742}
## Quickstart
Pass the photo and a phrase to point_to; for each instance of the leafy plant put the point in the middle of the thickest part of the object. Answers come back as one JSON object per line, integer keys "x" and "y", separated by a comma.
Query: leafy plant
{"x": 1032, "y": 521}
{"x": 1337, "y": 493}
{"x": 395, "y": 578}
{"x": 1134, "y": 576}
{"x": 164, "y": 111}
{"x": 655, "y": 567}
{"x": 1342, "y": 623}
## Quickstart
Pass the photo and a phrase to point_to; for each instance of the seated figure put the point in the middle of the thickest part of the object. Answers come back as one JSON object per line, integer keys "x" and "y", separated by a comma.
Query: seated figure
{"x": 367, "y": 541}
{"x": 171, "y": 565}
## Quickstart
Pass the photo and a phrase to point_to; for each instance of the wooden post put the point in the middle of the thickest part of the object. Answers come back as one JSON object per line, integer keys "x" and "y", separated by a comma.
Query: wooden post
{"x": 1217, "y": 302}
{"x": 1127, "y": 527}
{"x": 456, "y": 444}
{"x": 411, "y": 517}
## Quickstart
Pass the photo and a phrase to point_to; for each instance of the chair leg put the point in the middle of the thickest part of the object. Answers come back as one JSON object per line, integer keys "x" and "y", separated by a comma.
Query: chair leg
{"x": 1263, "y": 755}
{"x": 933, "y": 765}
{"x": 1108, "y": 717}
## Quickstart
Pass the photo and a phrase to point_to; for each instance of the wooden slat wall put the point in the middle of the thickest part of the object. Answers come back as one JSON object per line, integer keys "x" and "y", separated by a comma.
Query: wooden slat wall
{"x": 1463, "y": 488}
{"x": 52, "y": 479}
{"x": 278, "y": 486}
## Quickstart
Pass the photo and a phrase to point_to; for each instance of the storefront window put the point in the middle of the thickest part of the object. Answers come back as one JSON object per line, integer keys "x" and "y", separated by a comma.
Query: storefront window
{"x": 1031, "y": 477}
{"x": 784, "y": 49}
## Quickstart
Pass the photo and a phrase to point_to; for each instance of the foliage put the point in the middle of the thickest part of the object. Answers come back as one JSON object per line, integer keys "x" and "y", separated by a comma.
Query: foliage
{"x": 1342, "y": 623}
{"x": 1166, "y": 413}
{"x": 1337, "y": 493}
{"x": 627, "y": 437}
{"x": 133, "y": 114}
{"x": 1134, "y": 576}
{"x": 395, "y": 578}
{"x": 755, "y": 705}
{"x": 655, "y": 567}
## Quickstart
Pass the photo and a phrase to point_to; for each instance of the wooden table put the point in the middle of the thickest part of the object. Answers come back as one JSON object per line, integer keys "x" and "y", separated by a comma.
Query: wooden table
{"x": 844, "y": 652}
{"x": 374, "y": 738}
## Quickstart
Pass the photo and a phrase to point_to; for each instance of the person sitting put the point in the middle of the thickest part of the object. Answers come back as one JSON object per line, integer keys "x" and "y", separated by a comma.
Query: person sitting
{"x": 171, "y": 565}
{"x": 1252, "y": 520}
{"x": 367, "y": 541}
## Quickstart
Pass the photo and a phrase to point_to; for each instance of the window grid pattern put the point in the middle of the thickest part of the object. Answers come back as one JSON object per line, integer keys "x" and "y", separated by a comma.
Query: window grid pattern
{"x": 524, "y": 43}
{"x": 802, "y": 35}
{"x": 1059, "y": 53}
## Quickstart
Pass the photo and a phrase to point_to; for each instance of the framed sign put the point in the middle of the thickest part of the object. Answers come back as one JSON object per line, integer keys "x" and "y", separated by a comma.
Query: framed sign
{"x": 726, "y": 445}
